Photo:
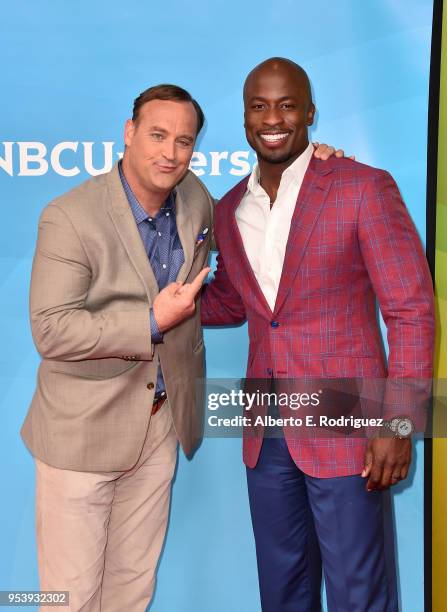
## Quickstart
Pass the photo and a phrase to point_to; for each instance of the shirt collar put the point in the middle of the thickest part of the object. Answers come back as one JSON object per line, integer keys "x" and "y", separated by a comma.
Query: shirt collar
{"x": 138, "y": 211}
{"x": 295, "y": 172}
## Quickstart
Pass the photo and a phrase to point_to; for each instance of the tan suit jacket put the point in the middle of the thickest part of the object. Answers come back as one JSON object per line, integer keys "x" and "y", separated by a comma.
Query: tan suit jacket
{"x": 91, "y": 290}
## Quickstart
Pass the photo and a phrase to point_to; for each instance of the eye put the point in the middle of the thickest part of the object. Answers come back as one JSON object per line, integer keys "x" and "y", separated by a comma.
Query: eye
{"x": 287, "y": 105}
{"x": 257, "y": 106}
{"x": 156, "y": 136}
{"x": 184, "y": 143}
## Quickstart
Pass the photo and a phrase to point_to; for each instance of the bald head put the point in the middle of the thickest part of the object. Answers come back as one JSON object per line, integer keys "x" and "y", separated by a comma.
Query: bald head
{"x": 278, "y": 110}
{"x": 296, "y": 75}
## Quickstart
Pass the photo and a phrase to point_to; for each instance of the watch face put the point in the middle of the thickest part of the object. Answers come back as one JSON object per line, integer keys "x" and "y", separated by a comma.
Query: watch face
{"x": 404, "y": 427}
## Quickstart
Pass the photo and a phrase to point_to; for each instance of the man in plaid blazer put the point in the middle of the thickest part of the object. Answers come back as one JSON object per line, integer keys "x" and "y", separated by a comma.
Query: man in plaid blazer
{"x": 305, "y": 249}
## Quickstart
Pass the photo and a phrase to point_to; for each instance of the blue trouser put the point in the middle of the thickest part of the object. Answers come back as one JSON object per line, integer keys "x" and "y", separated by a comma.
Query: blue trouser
{"x": 295, "y": 516}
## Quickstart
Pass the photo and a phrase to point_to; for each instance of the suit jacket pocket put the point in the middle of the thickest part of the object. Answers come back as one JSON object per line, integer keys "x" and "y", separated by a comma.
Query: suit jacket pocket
{"x": 95, "y": 369}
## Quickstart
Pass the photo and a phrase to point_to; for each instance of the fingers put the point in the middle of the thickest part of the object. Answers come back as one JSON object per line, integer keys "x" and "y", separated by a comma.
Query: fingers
{"x": 368, "y": 462}
{"x": 405, "y": 468}
{"x": 375, "y": 476}
{"x": 323, "y": 151}
{"x": 387, "y": 461}
{"x": 384, "y": 475}
{"x": 173, "y": 288}
{"x": 387, "y": 477}
{"x": 176, "y": 302}
{"x": 404, "y": 471}
{"x": 169, "y": 290}
{"x": 197, "y": 283}
{"x": 366, "y": 470}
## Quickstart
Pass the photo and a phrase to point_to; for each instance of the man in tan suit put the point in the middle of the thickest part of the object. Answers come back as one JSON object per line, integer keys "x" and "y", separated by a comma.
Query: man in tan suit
{"x": 113, "y": 348}
{"x": 118, "y": 263}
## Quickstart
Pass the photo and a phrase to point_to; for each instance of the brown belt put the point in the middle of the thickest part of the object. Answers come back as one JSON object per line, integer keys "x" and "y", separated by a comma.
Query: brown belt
{"x": 157, "y": 405}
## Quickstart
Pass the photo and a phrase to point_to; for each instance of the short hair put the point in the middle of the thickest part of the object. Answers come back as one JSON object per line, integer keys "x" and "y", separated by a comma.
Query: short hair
{"x": 167, "y": 92}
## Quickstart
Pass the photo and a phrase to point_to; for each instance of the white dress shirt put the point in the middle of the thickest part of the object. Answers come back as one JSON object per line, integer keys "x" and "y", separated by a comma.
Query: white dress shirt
{"x": 265, "y": 230}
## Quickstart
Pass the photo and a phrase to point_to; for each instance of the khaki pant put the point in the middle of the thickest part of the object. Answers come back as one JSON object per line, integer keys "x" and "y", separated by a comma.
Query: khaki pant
{"x": 99, "y": 535}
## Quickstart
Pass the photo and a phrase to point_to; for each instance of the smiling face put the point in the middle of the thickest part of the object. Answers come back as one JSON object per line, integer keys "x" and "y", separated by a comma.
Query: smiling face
{"x": 278, "y": 111}
{"x": 159, "y": 146}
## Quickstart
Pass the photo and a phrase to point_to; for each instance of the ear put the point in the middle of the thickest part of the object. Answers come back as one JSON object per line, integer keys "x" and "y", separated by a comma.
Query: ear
{"x": 311, "y": 114}
{"x": 129, "y": 130}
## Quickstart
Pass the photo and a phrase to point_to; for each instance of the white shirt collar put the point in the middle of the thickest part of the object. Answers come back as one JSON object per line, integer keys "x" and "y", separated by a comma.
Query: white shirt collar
{"x": 294, "y": 172}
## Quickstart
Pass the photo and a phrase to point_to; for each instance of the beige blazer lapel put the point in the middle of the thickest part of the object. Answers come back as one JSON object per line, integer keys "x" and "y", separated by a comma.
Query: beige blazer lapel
{"x": 188, "y": 222}
{"x": 183, "y": 219}
{"x": 124, "y": 221}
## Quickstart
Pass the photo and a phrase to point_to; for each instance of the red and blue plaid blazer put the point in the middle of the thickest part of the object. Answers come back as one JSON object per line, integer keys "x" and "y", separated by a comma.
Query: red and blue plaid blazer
{"x": 351, "y": 242}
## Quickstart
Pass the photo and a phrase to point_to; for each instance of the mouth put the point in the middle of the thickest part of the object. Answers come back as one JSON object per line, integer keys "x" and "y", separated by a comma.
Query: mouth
{"x": 165, "y": 168}
{"x": 273, "y": 139}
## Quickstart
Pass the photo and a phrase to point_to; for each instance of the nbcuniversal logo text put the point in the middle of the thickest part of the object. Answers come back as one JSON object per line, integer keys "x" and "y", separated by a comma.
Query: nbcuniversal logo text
{"x": 70, "y": 158}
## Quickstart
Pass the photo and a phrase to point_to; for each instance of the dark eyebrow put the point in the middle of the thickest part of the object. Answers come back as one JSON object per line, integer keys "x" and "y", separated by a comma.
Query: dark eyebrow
{"x": 157, "y": 129}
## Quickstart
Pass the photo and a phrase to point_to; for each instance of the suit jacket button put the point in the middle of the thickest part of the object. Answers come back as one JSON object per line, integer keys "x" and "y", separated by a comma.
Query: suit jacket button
{"x": 150, "y": 385}
{"x": 274, "y": 324}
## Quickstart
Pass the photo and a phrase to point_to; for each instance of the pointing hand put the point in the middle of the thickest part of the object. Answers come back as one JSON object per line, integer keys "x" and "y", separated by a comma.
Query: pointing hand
{"x": 177, "y": 302}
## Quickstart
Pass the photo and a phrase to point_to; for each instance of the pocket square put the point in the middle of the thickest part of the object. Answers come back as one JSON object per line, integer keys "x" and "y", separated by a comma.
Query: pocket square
{"x": 201, "y": 237}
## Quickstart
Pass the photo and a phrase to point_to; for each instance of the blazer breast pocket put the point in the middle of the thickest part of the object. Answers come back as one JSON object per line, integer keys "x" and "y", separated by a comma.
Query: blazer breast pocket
{"x": 201, "y": 245}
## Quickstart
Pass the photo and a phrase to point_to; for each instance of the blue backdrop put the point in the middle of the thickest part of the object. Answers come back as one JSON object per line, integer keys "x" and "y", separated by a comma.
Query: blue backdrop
{"x": 70, "y": 72}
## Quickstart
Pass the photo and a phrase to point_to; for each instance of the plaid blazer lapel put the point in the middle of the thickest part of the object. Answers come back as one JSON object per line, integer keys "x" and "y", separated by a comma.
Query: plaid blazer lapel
{"x": 311, "y": 198}
{"x": 256, "y": 297}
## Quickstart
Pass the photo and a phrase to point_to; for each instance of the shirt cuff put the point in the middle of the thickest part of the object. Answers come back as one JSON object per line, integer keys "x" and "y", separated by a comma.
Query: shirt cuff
{"x": 156, "y": 335}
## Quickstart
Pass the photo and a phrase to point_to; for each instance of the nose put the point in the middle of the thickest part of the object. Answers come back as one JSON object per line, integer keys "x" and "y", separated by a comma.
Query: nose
{"x": 272, "y": 116}
{"x": 168, "y": 150}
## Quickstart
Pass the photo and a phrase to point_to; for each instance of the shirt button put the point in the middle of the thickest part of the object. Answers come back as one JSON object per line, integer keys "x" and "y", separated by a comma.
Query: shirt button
{"x": 274, "y": 324}
{"x": 164, "y": 266}
{"x": 150, "y": 385}
{"x": 167, "y": 214}
{"x": 159, "y": 233}
{"x": 150, "y": 219}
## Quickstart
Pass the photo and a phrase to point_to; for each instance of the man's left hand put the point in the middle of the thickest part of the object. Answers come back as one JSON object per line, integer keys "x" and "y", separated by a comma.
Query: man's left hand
{"x": 387, "y": 461}
{"x": 324, "y": 151}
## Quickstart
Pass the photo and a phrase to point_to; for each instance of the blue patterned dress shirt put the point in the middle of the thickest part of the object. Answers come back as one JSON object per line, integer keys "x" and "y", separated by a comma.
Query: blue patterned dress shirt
{"x": 164, "y": 250}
